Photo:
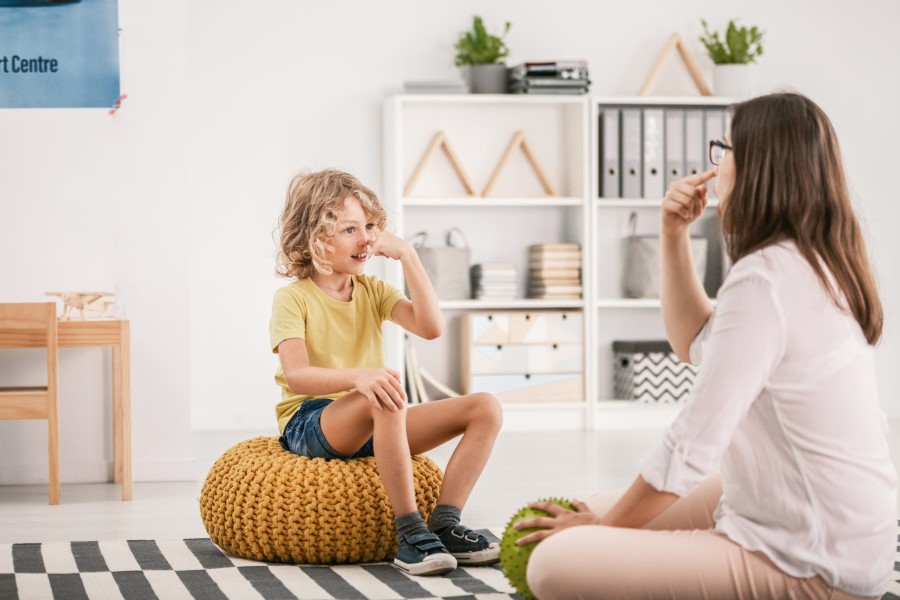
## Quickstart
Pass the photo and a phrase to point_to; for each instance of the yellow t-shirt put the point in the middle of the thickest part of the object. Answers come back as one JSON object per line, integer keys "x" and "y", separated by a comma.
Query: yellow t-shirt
{"x": 338, "y": 335}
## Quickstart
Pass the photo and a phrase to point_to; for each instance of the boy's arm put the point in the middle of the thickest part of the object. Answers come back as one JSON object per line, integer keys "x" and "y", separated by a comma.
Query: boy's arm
{"x": 381, "y": 386}
{"x": 422, "y": 315}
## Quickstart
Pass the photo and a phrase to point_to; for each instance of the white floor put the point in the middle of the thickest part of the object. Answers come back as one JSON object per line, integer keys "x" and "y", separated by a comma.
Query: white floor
{"x": 523, "y": 467}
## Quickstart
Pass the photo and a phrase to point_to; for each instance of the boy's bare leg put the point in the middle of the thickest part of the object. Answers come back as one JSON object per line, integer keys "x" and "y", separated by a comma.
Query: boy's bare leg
{"x": 478, "y": 418}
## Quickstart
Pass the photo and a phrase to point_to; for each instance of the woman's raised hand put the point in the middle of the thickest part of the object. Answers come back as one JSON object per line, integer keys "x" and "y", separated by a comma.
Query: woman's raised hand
{"x": 684, "y": 202}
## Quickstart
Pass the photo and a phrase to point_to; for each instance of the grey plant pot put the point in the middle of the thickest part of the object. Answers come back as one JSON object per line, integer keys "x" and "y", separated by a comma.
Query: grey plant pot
{"x": 485, "y": 79}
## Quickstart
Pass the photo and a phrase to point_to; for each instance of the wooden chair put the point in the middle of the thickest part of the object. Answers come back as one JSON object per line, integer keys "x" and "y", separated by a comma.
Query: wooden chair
{"x": 34, "y": 323}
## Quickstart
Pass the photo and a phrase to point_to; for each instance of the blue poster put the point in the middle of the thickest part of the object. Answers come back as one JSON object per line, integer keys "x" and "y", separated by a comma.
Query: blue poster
{"x": 59, "y": 53}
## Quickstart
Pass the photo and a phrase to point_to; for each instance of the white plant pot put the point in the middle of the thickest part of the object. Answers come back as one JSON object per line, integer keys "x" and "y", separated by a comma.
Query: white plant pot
{"x": 734, "y": 81}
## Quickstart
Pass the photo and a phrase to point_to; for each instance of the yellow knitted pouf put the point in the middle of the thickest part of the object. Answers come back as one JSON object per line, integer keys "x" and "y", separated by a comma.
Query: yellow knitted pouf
{"x": 262, "y": 502}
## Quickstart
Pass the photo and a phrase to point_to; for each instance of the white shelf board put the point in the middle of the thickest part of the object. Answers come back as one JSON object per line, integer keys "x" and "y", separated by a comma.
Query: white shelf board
{"x": 490, "y": 99}
{"x": 663, "y": 100}
{"x": 628, "y": 303}
{"x": 634, "y": 303}
{"x": 639, "y": 202}
{"x": 518, "y": 303}
{"x": 483, "y": 202}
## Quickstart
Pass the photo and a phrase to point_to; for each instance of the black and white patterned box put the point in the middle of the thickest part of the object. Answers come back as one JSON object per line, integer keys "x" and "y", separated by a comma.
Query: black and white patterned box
{"x": 649, "y": 372}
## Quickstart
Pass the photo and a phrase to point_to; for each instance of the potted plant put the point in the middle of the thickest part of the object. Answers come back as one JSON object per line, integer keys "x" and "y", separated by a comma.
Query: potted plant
{"x": 481, "y": 57}
{"x": 733, "y": 57}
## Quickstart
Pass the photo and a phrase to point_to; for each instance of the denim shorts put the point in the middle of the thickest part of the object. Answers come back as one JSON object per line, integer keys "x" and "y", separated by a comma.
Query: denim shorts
{"x": 303, "y": 434}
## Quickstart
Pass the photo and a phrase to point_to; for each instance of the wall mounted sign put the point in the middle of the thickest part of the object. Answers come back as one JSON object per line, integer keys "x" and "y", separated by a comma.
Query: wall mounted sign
{"x": 59, "y": 53}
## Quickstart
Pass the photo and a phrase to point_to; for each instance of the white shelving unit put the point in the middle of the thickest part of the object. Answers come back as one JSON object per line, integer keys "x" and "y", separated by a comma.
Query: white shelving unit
{"x": 615, "y": 317}
{"x": 563, "y": 132}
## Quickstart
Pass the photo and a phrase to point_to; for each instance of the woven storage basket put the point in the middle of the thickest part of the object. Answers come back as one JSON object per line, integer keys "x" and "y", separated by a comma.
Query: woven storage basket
{"x": 262, "y": 502}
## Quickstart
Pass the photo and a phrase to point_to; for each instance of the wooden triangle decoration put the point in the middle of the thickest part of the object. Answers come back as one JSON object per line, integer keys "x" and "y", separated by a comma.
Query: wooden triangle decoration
{"x": 439, "y": 141}
{"x": 519, "y": 141}
{"x": 676, "y": 42}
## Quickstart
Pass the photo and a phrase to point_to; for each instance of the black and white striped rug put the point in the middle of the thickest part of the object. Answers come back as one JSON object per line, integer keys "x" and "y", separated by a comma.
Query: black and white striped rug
{"x": 195, "y": 569}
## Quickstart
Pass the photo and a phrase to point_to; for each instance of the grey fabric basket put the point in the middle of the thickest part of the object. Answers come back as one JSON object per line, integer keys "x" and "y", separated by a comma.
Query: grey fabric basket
{"x": 447, "y": 266}
{"x": 641, "y": 270}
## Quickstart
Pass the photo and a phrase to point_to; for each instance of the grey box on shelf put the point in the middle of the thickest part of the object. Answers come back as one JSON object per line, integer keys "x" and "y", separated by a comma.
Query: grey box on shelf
{"x": 641, "y": 269}
{"x": 447, "y": 266}
{"x": 648, "y": 372}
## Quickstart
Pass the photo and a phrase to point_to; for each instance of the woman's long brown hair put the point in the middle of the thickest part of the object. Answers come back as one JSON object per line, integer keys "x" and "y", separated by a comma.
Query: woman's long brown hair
{"x": 789, "y": 185}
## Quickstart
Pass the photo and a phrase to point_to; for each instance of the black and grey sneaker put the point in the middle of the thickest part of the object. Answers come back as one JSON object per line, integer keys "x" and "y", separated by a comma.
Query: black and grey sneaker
{"x": 423, "y": 554}
{"x": 469, "y": 547}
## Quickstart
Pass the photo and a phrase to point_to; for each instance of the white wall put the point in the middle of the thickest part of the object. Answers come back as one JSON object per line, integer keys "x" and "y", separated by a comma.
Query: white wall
{"x": 292, "y": 86}
{"x": 92, "y": 201}
{"x": 173, "y": 201}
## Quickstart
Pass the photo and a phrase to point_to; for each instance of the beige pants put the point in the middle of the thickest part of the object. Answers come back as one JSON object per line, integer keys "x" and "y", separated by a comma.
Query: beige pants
{"x": 677, "y": 555}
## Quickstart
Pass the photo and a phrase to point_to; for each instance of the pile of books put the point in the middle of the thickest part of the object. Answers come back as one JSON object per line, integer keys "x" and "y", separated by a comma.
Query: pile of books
{"x": 493, "y": 281}
{"x": 554, "y": 271}
{"x": 550, "y": 77}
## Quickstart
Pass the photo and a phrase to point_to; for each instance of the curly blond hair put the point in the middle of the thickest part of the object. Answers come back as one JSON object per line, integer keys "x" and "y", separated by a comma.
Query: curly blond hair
{"x": 309, "y": 219}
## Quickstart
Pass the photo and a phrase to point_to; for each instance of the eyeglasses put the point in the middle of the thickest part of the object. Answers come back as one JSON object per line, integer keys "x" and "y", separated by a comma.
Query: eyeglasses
{"x": 717, "y": 151}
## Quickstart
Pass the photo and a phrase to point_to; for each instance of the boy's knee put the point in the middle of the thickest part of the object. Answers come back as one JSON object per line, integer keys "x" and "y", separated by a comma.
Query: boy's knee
{"x": 489, "y": 408}
{"x": 382, "y": 411}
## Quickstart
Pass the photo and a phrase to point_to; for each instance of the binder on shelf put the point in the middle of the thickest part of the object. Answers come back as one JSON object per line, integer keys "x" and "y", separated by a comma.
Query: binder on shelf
{"x": 653, "y": 178}
{"x": 610, "y": 175}
{"x": 715, "y": 130}
{"x": 695, "y": 146}
{"x": 674, "y": 141}
{"x": 631, "y": 153}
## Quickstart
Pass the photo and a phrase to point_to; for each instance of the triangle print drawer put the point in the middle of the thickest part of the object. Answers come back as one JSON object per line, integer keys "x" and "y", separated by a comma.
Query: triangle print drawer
{"x": 520, "y": 358}
{"x": 531, "y": 388}
{"x": 486, "y": 328}
{"x": 545, "y": 327}
{"x": 522, "y": 327}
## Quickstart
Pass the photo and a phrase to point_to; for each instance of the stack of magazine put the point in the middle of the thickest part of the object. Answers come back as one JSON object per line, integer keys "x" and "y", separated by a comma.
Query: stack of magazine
{"x": 493, "y": 281}
{"x": 550, "y": 77}
{"x": 554, "y": 271}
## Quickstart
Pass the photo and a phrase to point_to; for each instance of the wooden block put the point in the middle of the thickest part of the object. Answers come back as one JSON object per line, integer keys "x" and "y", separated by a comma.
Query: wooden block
{"x": 676, "y": 42}
{"x": 439, "y": 141}
{"x": 518, "y": 141}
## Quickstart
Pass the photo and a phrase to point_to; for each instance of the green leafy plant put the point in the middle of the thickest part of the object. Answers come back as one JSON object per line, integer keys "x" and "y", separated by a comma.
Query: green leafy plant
{"x": 478, "y": 47}
{"x": 740, "y": 46}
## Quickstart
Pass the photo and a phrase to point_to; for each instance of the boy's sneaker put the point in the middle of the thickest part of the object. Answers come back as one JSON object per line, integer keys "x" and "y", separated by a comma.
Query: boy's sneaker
{"x": 423, "y": 554}
{"x": 469, "y": 547}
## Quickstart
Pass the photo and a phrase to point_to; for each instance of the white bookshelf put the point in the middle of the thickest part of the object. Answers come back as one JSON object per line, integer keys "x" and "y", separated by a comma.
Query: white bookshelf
{"x": 563, "y": 131}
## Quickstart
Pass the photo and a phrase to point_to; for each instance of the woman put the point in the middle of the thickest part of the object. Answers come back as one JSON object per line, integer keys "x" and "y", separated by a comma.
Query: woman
{"x": 775, "y": 481}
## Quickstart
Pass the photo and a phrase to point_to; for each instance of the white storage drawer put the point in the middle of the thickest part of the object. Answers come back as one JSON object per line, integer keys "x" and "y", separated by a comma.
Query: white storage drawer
{"x": 523, "y": 327}
{"x": 568, "y": 387}
{"x": 545, "y": 327}
{"x": 522, "y": 358}
{"x": 486, "y": 328}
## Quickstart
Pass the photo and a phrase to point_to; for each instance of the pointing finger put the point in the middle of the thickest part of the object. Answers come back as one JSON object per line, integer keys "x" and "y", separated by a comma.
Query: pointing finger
{"x": 700, "y": 178}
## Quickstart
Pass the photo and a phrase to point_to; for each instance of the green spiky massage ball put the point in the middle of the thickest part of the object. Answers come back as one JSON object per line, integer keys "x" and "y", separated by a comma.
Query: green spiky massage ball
{"x": 513, "y": 558}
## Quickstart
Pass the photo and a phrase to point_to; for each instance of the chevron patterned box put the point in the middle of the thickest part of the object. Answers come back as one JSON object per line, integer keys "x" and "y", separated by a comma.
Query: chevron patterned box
{"x": 649, "y": 372}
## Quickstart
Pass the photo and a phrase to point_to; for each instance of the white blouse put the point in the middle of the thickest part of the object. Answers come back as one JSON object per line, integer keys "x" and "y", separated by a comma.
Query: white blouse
{"x": 785, "y": 407}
